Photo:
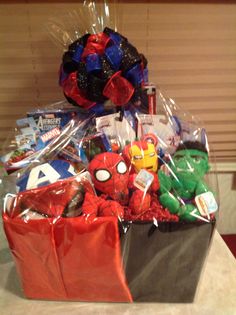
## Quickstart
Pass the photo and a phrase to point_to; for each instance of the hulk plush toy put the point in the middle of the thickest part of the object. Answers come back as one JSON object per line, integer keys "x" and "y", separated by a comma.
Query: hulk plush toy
{"x": 187, "y": 169}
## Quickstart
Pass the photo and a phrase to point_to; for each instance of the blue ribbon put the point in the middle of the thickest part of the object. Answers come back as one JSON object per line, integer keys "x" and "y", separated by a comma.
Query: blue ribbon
{"x": 78, "y": 53}
{"x": 98, "y": 109}
{"x": 93, "y": 63}
{"x": 145, "y": 75}
{"x": 116, "y": 38}
{"x": 62, "y": 76}
{"x": 114, "y": 54}
{"x": 135, "y": 75}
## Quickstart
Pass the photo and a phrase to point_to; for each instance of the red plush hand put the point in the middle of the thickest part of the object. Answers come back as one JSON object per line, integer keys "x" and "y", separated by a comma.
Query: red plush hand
{"x": 94, "y": 206}
{"x": 90, "y": 205}
{"x": 155, "y": 184}
{"x": 111, "y": 208}
{"x": 131, "y": 181}
{"x": 139, "y": 202}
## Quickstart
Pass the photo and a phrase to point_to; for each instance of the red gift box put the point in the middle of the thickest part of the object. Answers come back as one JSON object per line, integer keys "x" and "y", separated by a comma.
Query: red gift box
{"x": 68, "y": 258}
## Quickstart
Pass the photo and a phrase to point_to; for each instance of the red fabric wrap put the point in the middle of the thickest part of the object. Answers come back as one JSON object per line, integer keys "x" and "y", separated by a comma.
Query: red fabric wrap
{"x": 68, "y": 259}
{"x": 71, "y": 90}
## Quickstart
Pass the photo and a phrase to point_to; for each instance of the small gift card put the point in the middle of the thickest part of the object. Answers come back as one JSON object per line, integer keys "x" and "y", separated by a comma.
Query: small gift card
{"x": 143, "y": 180}
{"x": 206, "y": 203}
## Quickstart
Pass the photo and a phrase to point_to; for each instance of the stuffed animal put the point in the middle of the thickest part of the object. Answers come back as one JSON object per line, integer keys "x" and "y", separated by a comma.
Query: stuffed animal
{"x": 185, "y": 181}
{"x": 110, "y": 176}
{"x": 141, "y": 155}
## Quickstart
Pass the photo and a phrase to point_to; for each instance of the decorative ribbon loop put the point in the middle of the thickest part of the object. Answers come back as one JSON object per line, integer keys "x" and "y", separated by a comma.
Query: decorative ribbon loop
{"x": 130, "y": 56}
{"x": 78, "y": 53}
{"x": 107, "y": 70}
{"x": 115, "y": 36}
{"x": 135, "y": 75}
{"x": 68, "y": 64}
{"x": 114, "y": 54}
{"x": 81, "y": 41}
{"x": 118, "y": 89}
{"x": 82, "y": 76}
{"x": 101, "y": 66}
{"x": 62, "y": 75}
{"x": 96, "y": 43}
{"x": 95, "y": 88}
{"x": 93, "y": 63}
{"x": 72, "y": 91}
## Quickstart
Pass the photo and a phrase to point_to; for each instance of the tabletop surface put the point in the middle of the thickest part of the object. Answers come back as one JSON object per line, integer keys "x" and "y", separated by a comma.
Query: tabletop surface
{"x": 216, "y": 294}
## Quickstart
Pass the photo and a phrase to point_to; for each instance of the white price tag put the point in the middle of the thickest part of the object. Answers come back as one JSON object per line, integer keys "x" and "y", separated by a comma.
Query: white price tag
{"x": 143, "y": 180}
{"x": 206, "y": 203}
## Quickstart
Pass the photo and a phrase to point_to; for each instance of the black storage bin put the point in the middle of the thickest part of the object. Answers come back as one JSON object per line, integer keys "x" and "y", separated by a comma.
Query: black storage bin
{"x": 163, "y": 263}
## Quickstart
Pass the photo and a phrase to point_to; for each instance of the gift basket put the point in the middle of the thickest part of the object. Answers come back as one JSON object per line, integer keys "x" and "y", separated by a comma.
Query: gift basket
{"x": 112, "y": 199}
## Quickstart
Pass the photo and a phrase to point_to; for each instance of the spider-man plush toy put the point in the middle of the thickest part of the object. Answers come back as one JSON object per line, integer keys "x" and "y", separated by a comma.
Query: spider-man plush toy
{"x": 110, "y": 176}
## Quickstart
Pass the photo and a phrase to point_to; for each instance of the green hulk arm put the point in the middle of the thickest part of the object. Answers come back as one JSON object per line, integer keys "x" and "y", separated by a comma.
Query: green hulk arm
{"x": 185, "y": 210}
{"x": 165, "y": 182}
{"x": 201, "y": 188}
{"x": 166, "y": 198}
{"x": 169, "y": 201}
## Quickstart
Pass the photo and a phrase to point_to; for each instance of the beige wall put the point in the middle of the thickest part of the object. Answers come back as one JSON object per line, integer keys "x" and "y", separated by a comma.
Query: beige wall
{"x": 227, "y": 215}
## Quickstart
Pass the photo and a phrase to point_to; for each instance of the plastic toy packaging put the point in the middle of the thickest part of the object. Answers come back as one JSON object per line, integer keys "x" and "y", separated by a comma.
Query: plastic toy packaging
{"x": 34, "y": 132}
{"x": 186, "y": 188}
{"x": 112, "y": 200}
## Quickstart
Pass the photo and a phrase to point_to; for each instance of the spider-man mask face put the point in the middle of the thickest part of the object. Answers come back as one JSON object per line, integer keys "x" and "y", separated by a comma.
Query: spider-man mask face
{"x": 110, "y": 175}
